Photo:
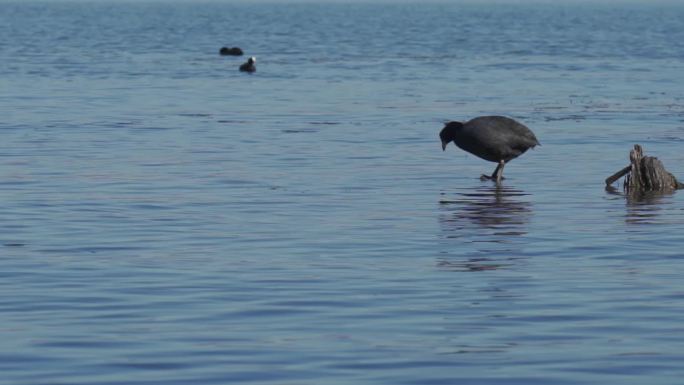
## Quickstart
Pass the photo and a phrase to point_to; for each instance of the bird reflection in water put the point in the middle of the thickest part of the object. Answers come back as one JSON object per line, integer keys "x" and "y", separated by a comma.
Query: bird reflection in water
{"x": 643, "y": 207}
{"x": 497, "y": 208}
{"x": 493, "y": 215}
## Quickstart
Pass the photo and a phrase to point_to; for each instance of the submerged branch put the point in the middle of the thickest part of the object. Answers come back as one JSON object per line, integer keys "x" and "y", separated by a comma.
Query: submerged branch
{"x": 645, "y": 173}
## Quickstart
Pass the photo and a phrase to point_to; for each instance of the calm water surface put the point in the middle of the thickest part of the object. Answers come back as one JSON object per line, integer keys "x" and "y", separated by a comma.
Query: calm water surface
{"x": 166, "y": 219}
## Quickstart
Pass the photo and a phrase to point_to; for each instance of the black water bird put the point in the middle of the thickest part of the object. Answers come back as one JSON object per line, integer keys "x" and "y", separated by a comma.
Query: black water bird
{"x": 234, "y": 51}
{"x": 494, "y": 138}
{"x": 249, "y": 66}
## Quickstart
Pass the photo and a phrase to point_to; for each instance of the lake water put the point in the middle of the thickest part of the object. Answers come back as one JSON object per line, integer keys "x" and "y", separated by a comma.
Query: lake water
{"x": 166, "y": 219}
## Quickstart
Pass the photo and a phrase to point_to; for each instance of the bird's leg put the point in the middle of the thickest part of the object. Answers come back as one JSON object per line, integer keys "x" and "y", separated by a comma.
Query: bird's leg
{"x": 498, "y": 172}
{"x": 497, "y": 175}
{"x": 493, "y": 177}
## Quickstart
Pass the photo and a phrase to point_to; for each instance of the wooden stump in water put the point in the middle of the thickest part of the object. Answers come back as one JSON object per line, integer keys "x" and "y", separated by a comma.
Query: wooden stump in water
{"x": 645, "y": 173}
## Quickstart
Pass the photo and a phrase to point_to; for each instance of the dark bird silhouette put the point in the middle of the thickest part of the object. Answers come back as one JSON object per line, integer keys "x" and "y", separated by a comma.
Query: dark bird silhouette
{"x": 249, "y": 66}
{"x": 235, "y": 51}
{"x": 494, "y": 138}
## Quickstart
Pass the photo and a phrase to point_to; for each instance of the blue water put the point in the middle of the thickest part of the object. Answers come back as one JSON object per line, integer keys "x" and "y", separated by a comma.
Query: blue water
{"x": 166, "y": 219}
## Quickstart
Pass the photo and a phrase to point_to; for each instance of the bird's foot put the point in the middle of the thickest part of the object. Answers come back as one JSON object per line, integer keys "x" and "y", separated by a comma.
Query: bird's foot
{"x": 489, "y": 177}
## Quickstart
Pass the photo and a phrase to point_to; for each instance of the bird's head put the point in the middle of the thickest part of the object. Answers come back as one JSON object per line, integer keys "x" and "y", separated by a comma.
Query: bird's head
{"x": 251, "y": 60}
{"x": 449, "y": 133}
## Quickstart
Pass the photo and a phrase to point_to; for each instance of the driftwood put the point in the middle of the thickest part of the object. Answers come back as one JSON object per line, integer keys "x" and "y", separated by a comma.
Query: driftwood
{"x": 645, "y": 173}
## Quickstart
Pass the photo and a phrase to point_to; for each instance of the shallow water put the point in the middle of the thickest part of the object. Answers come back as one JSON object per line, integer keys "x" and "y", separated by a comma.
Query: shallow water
{"x": 169, "y": 220}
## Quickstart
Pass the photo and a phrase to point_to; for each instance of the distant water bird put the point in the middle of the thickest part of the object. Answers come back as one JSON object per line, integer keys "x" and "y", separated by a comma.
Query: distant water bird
{"x": 249, "y": 66}
{"x": 235, "y": 51}
{"x": 494, "y": 138}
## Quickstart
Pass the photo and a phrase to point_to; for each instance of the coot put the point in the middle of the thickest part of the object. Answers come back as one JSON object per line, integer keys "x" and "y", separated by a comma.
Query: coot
{"x": 235, "y": 51}
{"x": 494, "y": 138}
{"x": 249, "y": 66}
